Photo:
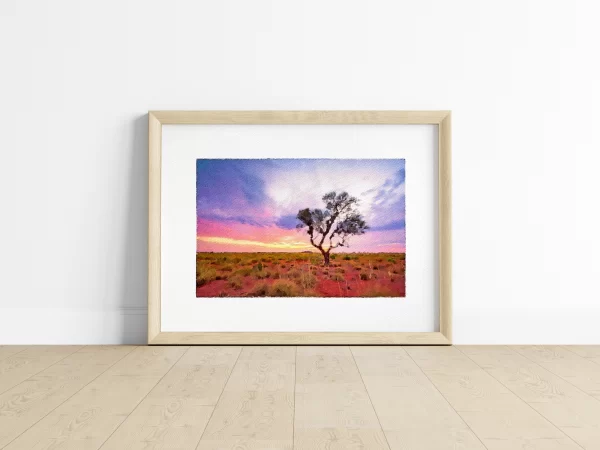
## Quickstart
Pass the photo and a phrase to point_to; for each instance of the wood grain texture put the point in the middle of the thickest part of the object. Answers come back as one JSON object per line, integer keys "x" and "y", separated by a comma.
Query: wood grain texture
{"x": 256, "y": 409}
{"x": 33, "y": 399}
{"x": 500, "y": 419}
{"x": 154, "y": 224}
{"x": 9, "y": 350}
{"x": 155, "y": 121}
{"x": 175, "y": 413}
{"x": 574, "y": 412}
{"x": 412, "y": 412}
{"x": 89, "y": 417}
{"x": 276, "y": 338}
{"x": 333, "y": 409}
{"x": 299, "y": 117}
{"x": 445, "y": 225}
{"x": 21, "y": 365}
{"x": 330, "y": 398}
{"x": 591, "y": 352}
{"x": 580, "y": 372}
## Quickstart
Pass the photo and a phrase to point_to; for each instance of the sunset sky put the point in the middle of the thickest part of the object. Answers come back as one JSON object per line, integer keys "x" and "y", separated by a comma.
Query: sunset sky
{"x": 250, "y": 205}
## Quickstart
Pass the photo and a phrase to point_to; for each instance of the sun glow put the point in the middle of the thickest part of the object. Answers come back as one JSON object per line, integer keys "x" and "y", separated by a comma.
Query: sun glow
{"x": 280, "y": 245}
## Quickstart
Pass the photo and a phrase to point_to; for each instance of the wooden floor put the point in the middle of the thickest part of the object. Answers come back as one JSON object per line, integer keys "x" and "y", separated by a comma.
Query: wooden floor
{"x": 333, "y": 398}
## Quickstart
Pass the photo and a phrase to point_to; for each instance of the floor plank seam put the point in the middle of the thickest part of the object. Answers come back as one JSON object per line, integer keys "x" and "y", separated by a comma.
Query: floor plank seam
{"x": 67, "y": 399}
{"x": 566, "y": 347}
{"x": 369, "y": 397}
{"x": 16, "y": 353}
{"x": 447, "y": 401}
{"x": 517, "y": 396}
{"x": 554, "y": 373}
{"x": 40, "y": 371}
{"x": 220, "y": 395}
{"x": 143, "y": 398}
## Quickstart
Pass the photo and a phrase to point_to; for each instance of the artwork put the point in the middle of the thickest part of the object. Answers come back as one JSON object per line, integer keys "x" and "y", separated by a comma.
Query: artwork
{"x": 300, "y": 228}
{"x": 310, "y": 228}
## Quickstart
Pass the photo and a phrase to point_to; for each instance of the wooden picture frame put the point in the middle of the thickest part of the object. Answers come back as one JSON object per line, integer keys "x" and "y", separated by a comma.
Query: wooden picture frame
{"x": 156, "y": 119}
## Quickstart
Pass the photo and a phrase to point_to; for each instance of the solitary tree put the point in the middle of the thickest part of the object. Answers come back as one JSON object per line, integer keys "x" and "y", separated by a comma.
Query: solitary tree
{"x": 332, "y": 227}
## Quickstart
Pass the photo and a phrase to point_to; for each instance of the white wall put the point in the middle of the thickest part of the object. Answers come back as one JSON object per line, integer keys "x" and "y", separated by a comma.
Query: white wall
{"x": 521, "y": 77}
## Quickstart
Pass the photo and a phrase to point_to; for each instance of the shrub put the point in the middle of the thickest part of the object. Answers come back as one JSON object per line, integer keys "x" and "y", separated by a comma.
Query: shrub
{"x": 244, "y": 272}
{"x": 262, "y": 274}
{"x": 283, "y": 288}
{"x": 340, "y": 270}
{"x": 276, "y": 275}
{"x": 258, "y": 267}
{"x": 294, "y": 273}
{"x": 347, "y": 258}
{"x": 337, "y": 277}
{"x": 259, "y": 290}
{"x": 221, "y": 276}
{"x": 204, "y": 275}
{"x": 283, "y": 266}
{"x": 308, "y": 280}
{"x": 364, "y": 276}
{"x": 227, "y": 268}
{"x": 236, "y": 260}
{"x": 392, "y": 260}
{"x": 402, "y": 256}
{"x": 333, "y": 256}
{"x": 235, "y": 282}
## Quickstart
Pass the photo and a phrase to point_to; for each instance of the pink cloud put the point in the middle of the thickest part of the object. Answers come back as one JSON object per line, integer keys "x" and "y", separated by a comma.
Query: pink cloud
{"x": 215, "y": 236}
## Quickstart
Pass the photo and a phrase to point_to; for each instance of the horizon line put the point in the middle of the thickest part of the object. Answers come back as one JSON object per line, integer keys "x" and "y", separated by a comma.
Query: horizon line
{"x": 304, "y": 251}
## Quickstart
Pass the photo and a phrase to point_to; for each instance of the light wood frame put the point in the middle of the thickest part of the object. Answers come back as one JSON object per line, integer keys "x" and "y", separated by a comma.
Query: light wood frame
{"x": 156, "y": 119}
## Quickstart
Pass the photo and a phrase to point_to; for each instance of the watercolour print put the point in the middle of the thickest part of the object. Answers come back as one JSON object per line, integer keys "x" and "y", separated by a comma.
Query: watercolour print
{"x": 300, "y": 228}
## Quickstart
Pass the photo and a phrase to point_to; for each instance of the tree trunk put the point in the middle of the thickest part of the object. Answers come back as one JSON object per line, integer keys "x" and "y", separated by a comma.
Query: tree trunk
{"x": 326, "y": 258}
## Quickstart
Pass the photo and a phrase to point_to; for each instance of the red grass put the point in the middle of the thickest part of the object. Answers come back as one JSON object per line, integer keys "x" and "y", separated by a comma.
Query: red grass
{"x": 383, "y": 274}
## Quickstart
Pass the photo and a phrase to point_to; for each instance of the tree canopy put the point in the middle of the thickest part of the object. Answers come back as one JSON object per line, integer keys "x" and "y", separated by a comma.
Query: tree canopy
{"x": 332, "y": 227}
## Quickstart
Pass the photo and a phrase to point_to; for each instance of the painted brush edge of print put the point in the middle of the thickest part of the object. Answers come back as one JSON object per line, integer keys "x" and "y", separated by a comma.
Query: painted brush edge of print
{"x": 300, "y": 228}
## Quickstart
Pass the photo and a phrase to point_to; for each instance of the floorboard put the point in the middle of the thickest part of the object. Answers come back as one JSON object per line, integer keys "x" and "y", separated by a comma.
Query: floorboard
{"x": 33, "y": 399}
{"x": 412, "y": 412}
{"x": 9, "y": 350}
{"x": 88, "y": 418}
{"x": 333, "y": 409}
{"x": 256, "y": 409}
{"x": 496, "y": 415}
{"x": 576, "y": 413}
{"x": 591, "y": 352}
{"x": 21, "y": 365}
{"x": 305, "y": 398}
{"x": 581, "y": 372}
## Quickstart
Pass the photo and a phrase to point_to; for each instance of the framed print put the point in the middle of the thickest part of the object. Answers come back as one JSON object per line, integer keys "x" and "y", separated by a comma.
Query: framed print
{"x": 306, "y": 227}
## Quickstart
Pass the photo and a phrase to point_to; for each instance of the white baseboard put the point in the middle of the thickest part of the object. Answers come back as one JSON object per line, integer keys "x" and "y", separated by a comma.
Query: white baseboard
{"x": 119, "y": 325}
